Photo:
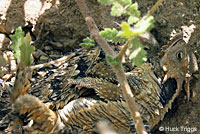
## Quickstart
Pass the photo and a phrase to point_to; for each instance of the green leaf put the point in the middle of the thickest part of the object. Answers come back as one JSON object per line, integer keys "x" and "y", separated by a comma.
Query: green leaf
{"x": 17, "y": 41}
{"x": 87, "y": 43}
{"x": 113, "y": 2}
{"x": 117, "y": 9}
{"x": 145, "y": 24}
{"x": 132, "y": 19}
{"x": 26, "y": 50}
{"x": 127, "y": 30}
{"x": 137, "y": 13}
{"x": 138, "y": 54}
{"x": 133, "y": 10}
{"x": 113, "y": 61}
{"x": 111, "y": 35}
{"x": 134, "y": 6}
{"x": 142, "y": 26}
{"x": 106, "y": 2}
{"x": 125, "y": 2}
{"x": 88, "y": 40}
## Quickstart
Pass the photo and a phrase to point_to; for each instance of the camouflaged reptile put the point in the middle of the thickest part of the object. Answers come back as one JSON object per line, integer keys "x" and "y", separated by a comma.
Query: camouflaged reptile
{"x": 87, "y": 92}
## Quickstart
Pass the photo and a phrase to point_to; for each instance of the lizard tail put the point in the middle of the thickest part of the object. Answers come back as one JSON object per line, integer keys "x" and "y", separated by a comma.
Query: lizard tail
{"x": 44, "y": 119}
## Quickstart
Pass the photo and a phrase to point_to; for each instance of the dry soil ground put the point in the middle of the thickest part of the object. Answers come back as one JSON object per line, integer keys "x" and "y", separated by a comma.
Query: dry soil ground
{"x": 58, "y": 27}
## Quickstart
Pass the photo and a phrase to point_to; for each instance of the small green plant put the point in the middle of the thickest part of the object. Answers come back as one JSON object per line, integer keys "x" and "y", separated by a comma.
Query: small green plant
{"x": 130, "y": 29}
{"x": 87, "y": 43}
{"x": 121, "y": 7}
{"x": 111, "y": 35}
{"x": 22, "y": 47}
{"x": 113, "y": 61}
{"x": 129, "y": 33}
{"x": 17, "y": 42}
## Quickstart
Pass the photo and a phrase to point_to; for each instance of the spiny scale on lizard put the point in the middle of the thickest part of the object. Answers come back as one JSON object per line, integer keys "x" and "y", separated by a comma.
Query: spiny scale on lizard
{"x": 150, "y": 107}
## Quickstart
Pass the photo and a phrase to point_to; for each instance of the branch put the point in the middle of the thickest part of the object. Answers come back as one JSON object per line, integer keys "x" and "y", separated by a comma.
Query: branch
{"x": 130, "y": 100}
{"x": 153, "y": 9}
{"x": 118, "y": 69}
{"x": 94, "y": 31}
{"x": 123, "y": 50}
{"x": 60, "y": 60}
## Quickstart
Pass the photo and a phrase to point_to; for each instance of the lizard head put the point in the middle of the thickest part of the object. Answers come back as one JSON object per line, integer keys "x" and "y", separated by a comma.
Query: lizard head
{"x": 179, "y": 62}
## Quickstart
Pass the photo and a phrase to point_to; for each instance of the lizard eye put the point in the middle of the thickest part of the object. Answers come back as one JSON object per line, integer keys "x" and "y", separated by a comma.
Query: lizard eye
{"x": 179, "y": 55}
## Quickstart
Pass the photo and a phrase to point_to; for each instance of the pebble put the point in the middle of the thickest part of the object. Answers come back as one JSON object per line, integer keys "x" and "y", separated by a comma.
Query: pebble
{"x": 44, "y": 58}
{"x": 53, "y": 56}
{"x": 13, "y": 65}
{"x": 41, "y": 73}
{"x": 48, "y": 48}
{"x": 6, "y": 77}
{"x": 37, "y": 54}
{"x": 57, "y": 45}
{"x": 55, "y": 52}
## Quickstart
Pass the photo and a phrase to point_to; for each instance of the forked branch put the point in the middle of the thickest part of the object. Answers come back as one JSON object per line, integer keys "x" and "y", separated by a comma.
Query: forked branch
{"x": 118, "y": 69}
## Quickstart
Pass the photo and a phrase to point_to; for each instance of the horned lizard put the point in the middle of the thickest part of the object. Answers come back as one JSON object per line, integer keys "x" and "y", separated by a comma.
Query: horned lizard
{"x": 88, "y": 92}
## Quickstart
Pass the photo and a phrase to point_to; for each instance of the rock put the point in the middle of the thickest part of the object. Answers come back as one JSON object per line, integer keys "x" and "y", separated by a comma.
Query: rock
{"x": 44, "y": 58}
{"x": 55, "y": 53}
{"x": 41, "y": 73}
{"x": 54, "y": 56}
{"x": 48, "y": 48}
{"x": 6, "y": 77}
{"x": 13, "y": 65}
{"x": 38, "y": 53}
{"x": 57, "y": 45}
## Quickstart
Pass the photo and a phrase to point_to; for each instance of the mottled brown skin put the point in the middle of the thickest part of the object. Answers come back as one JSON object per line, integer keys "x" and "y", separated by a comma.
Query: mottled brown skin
{"x": 83, "y": 113}
{"x": 179, "y": 62}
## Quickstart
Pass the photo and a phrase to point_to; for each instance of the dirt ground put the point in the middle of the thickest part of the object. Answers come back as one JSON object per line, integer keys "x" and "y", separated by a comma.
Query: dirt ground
{"x": 58, "y": 27}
